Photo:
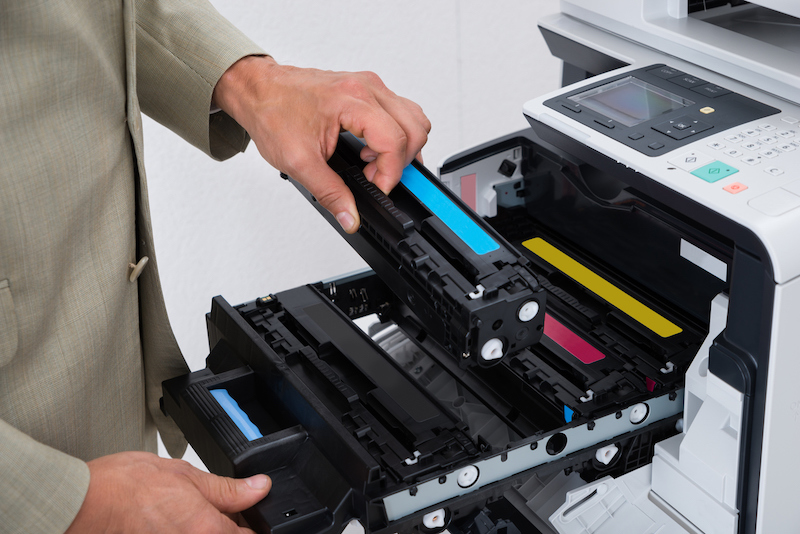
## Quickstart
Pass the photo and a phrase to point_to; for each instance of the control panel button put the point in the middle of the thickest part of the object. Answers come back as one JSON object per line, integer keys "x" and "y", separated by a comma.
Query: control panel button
{"x": 711, "y": 90}
{"x": 715, "y": 171}
{"x": 793, "y": 187}
{"x": 575, "y": 108}
{"x": 767, "y": 127}
{"x": 690, "y": 161}
{"x": 786, "y": 134}
{"x": 665, "y": 72}
{"x": 606, "y": 124}
{"x": 752, "y": 160}
{"x": 686, "y": 80}
{"x": 716, "y": 145}
{"x": 768, "y": 140}
{"x": 706, "y": 110}
{"x": 736, "y": 138}
{"x": 752, "y": 145}
{"x": 776, "y": 202}
{"x": 734, "y": 153}
{"x": 635, "y": 136}
{"x": 682, "y": 127}
{"x": 753, "y": 132}
{"x": 768, "y": 154}
{"x": 655, "y": 146}
{"x": 787, "y": 147}
{"x": 734, "y": 188}
{"x": 790, "y": 120}
{"x": 774, "y": 171}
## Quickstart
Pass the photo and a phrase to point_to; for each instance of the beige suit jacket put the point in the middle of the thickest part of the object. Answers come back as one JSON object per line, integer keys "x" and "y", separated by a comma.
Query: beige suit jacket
{"x": 83, "y": 350}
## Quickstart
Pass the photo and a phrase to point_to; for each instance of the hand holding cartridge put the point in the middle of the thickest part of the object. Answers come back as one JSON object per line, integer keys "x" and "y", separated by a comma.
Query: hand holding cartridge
{"x": 140, "y": 492}
{"x": 468, "y": 287}
{"x": 294, "y": 116}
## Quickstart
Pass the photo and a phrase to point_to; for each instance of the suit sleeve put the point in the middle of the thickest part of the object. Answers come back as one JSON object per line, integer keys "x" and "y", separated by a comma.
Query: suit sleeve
{"x": 182, "y": 48}
{"x": 61, "y": 482}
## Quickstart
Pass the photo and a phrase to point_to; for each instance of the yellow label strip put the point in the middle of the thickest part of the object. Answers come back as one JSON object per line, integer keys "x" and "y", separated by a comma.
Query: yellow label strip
{"x": 602, "y": 288}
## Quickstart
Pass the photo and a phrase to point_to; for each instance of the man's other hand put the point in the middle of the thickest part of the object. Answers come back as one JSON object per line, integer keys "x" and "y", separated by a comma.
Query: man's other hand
{"x": 295, "y": 115}
{"x": 140, "y": 492}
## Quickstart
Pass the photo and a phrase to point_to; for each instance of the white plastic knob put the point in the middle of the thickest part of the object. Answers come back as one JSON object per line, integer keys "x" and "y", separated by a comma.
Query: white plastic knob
{"x": 604, "y": 455}
{"x": 492, "y": 349}
{"x": 434, "y": 519}
{"x": 468, "y": 476}
{"x": 639, "y": 413}
{"x": 528, "y": 311}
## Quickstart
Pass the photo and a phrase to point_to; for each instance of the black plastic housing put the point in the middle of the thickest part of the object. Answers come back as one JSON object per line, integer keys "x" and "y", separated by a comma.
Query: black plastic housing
{"x": 346, "y": 425}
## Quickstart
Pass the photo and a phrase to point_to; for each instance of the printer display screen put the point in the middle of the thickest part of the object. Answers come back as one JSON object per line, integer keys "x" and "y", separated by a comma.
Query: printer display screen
{"x": 630, "y": 101}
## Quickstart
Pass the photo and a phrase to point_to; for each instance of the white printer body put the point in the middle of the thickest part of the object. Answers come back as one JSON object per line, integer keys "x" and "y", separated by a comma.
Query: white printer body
{"x": 697, "y": 108}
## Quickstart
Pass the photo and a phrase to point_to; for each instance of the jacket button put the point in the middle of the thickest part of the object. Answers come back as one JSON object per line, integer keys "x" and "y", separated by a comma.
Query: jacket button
{"x": 138, "y": 268}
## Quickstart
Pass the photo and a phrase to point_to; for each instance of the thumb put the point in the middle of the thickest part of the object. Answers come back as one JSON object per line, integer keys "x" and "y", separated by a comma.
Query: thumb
{"x": 231, "y": 495}
{"x": 332, "y": 194}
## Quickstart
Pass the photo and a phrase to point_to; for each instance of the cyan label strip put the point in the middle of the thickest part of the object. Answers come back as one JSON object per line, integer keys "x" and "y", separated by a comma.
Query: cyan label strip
{"x": 238, "y": 416}
{"x": 450, "y": 214}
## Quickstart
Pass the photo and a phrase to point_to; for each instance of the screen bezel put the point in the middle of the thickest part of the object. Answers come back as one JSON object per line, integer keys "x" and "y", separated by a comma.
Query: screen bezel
{"x": 588, "y": 99}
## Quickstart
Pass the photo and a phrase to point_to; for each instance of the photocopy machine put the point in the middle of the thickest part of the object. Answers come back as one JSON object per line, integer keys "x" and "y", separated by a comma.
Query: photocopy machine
{"x": 611, "y": 345}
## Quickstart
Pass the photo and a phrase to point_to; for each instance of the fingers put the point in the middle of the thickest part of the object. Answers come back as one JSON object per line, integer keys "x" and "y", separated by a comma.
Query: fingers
{"x": 294, "y": 116}
{"x": 367, "y": 154}
{"x": 415, "y": 126}
{"x": 230, "y": 495}
{"x": 140, "y": 492}
{"x": 331, "y": 192}
{"x": 411, "y": 119}
{"x": 393, "y": 128}
{"x": 226, "y": 525}
{"x": 385, "y": 138}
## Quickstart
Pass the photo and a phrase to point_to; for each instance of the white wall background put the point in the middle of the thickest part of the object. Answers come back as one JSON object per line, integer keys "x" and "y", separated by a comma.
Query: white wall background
{"x": 236, "y": 229}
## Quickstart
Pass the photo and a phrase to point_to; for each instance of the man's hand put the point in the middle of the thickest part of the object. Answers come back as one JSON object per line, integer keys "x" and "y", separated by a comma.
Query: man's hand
{"x": 140, "y": 492}
{"x": 294, "y": 116}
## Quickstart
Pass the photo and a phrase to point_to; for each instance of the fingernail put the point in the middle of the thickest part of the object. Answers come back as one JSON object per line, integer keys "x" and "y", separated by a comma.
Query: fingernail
{"x": 369, "y": 159}
{"x": 257, "y": 482}
{"x": 346, "y": 220}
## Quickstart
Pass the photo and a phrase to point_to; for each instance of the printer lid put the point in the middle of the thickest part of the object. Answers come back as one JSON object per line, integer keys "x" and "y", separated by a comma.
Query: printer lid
{"x": 757, "y": 43}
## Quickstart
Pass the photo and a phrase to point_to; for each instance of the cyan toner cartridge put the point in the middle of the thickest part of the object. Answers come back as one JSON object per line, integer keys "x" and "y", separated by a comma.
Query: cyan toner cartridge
{"x": 475, "y": 294}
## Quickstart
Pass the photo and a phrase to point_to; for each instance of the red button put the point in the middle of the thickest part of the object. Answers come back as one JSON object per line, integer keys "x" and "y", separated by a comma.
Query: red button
{"x": 734, "y": 188}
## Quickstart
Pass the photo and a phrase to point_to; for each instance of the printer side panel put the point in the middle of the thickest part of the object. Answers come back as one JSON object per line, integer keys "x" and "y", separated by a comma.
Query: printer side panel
{"x": 778, "y": 510}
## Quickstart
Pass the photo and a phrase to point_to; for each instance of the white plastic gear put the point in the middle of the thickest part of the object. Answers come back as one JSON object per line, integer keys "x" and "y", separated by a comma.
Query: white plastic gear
{"x": 492, "y": 350}
{"x": 528, "y": 311}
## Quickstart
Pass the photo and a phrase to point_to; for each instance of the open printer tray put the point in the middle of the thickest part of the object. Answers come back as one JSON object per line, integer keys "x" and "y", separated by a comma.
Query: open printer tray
{"x": 388, "y": 428}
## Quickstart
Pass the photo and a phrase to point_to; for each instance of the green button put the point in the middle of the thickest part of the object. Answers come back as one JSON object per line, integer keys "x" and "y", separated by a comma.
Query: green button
{"x": 714, "y": 171}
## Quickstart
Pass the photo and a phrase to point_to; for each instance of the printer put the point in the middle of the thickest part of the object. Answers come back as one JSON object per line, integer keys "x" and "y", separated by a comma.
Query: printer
{"x": 587, "y": 326}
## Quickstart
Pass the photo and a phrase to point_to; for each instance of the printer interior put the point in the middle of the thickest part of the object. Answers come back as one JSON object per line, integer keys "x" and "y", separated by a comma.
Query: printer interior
{"x": 355, "y": 422}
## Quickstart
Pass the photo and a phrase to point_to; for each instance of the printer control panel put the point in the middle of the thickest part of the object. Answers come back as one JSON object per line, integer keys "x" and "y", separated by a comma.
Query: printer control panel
{"x": 658, "y": 109}
{"x": 732, "y": 148}
{"x": 756, "y": 163}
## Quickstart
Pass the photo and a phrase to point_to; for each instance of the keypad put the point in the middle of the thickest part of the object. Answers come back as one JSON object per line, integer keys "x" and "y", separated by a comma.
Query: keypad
{"x": 761, "y": 154}
{"x": 759, "y": 145}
